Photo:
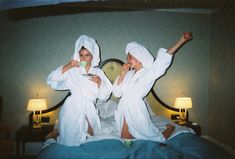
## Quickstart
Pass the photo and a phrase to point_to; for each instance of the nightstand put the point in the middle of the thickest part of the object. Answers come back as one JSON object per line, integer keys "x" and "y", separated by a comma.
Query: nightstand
{"x": 27, "y": 134}
{"x": 196, "y": 128}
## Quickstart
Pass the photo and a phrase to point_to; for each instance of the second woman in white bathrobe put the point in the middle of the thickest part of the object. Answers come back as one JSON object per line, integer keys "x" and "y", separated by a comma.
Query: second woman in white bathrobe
{"x": 134, "y": 83}
{"x": 78, "y": 116}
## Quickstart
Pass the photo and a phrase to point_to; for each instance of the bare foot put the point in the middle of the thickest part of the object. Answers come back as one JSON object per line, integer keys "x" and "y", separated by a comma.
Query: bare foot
{"x": 53, "y": 134}
{"x": 169, "y": 129}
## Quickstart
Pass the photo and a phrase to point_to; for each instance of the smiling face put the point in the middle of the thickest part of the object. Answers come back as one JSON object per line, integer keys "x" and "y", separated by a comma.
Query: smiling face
{"x": 133, "y": 62}
{"x": 85, "y": 55}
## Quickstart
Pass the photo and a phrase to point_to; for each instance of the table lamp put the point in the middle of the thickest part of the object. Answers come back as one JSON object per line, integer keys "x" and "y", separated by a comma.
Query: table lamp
{"x": 183, "y": 103}
{"x": 37, "y": 105}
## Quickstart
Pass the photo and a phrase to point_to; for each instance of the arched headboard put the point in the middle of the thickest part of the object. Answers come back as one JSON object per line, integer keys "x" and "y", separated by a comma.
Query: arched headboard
{"x": 112, "y": 68}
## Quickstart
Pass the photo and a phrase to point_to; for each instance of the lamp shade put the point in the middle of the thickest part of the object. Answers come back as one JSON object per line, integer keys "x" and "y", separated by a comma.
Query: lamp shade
{"x": 183, "y": 102}
{"x": 36, "y": 104}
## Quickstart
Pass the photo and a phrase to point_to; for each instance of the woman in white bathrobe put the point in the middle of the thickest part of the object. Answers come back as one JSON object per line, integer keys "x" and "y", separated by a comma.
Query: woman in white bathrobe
{"x": 134, "y": 83}
{"x": 78, "y": 116}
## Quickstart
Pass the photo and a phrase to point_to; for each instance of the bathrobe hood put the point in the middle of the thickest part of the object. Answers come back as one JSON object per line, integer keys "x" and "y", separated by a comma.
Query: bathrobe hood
{"x": 140, "y": 53}
{"x": 91, "y": 45}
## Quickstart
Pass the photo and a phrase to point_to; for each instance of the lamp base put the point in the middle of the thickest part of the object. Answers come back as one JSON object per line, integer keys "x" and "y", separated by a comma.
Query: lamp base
{"x": 36, "y": 121}
{"x": 37, "y": 126}
{"x": 181, "y": 122}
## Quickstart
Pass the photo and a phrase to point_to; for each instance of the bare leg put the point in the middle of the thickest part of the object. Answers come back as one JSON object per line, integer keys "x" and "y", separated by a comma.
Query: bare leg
{"x": 168, "y": 131}
{"x": 125, "y": 133}
{"x": 90, "y": 131}
{"x": 53, "y": 134}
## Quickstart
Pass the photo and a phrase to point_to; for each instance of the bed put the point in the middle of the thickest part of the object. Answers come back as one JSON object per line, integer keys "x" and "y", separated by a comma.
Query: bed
{"x": 183, "y": 142}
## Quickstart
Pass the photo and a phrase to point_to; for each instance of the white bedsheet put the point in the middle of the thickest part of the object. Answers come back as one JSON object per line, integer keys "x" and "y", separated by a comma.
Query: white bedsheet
{"x": 109, "y": 127}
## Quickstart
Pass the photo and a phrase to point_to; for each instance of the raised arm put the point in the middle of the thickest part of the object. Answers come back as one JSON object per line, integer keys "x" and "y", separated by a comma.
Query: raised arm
{"x": 183, "y": 39}
{"x": 164, "y": 57}
{"x": 125, "y": 69}
{"x": 71, "y": 64}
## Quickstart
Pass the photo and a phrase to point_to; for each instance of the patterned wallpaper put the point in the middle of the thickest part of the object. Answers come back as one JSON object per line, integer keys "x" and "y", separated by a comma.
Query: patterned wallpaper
{"x": 31, "y": 48}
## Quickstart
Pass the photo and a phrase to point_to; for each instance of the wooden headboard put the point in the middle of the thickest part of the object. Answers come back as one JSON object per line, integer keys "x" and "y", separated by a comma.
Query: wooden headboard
{"x": 112, "y": 68}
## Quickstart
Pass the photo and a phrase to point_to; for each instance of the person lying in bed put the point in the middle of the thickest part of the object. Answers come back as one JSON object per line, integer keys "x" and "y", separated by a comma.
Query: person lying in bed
{"x": 134, "y": 83}
{"x": 87, "y": 83}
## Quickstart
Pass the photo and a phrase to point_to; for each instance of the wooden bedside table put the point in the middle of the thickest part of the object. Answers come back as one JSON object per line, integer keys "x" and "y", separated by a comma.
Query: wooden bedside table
{"x": 27, "y": 134}
{"x": 196, "y": 128}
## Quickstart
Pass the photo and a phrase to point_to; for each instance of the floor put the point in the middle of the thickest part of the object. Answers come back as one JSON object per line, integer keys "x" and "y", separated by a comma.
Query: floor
{"x": 232, "y": 151}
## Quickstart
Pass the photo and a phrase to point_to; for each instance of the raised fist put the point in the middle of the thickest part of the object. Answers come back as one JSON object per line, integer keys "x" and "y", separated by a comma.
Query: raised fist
{"x": 187, "y": 35}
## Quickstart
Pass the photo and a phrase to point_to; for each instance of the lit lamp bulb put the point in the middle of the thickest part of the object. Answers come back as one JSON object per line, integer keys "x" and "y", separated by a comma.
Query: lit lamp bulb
{"x": 37, "y": 105}
{"x": 183, "y": 103}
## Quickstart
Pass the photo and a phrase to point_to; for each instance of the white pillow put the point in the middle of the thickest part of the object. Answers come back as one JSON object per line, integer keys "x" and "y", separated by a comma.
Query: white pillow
{"x": 109, "y": 126}
{"x": 56, "y": 125}
{"x": 107, "y": 109}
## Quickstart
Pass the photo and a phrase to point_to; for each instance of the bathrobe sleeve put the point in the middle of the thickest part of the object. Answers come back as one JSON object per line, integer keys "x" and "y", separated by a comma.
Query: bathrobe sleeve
{"x": 117, "y": 91}
{"x": 56, "y": 79}
{"x": 105, "y": 88}
{"x": 162, "y": 62}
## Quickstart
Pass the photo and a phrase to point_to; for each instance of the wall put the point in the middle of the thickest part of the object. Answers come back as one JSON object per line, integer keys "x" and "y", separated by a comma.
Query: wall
{"x": 31, "y": 48}
{"x": 221, "y": 121}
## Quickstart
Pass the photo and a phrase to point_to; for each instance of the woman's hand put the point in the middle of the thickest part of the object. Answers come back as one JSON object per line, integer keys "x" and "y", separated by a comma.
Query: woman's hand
{"x": 74, "y": 63}
{"x": 71, "y": 64}
{"x": 125, "y": 68}
{"x": 97, "y": 80}
{"x": 187, "y": 36}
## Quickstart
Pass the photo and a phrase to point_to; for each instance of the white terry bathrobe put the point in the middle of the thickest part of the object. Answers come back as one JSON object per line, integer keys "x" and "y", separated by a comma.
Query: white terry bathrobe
{"x": 79, "y": 107}
{"x": 133, "y": 90}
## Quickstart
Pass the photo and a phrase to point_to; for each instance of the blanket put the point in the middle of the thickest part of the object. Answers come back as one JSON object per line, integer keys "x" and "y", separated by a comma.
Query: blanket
{"x": 181, "y": 146}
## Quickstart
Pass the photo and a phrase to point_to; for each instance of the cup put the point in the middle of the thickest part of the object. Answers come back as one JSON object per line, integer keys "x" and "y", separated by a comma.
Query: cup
{"x": 83, "y": 63}
{"x": 127, "y": 142}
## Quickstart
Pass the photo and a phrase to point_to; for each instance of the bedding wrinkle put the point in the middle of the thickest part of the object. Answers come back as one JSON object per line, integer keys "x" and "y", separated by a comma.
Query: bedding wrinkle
{"x": 183, "y": 146}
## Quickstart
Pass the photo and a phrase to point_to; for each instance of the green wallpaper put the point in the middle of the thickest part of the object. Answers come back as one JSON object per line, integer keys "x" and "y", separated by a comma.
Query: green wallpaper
{"x": 31, "y": 48}
{"x": 222, "y": 77}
